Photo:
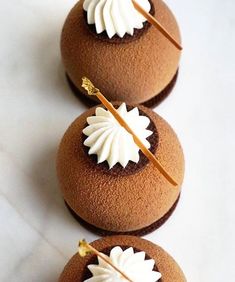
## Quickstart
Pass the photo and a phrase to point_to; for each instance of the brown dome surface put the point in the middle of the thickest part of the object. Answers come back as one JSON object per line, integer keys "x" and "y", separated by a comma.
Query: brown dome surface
{"x": 134, "y": 71}
{"x": 166, "y": 265}
{"x": 119, "y": 202}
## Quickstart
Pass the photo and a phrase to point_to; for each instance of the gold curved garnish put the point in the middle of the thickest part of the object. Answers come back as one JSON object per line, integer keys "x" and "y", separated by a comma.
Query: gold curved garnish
{"x": 88, "y": 85}
{"x": 156, "y": 24}
{"x": 85, "y": 248}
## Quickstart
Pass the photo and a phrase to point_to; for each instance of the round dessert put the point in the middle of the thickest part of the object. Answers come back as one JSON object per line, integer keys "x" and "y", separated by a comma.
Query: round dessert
{"x": 139, "y": 259}
{"x": 109, "y": 39}
{"x": 107, "y": 182}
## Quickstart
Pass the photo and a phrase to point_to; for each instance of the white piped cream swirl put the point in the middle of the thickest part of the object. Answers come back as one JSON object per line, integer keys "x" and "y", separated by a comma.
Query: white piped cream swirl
{"x": 134, "y": 265}
{"x": 115, "y": 16}
{"x": 110, "y": 141}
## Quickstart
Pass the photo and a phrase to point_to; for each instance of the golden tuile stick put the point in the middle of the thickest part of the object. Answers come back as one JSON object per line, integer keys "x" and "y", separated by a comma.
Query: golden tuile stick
{"x": 92, "y": 90}
{"x": 155, "y": 23}
{"x": 85, "y": 248}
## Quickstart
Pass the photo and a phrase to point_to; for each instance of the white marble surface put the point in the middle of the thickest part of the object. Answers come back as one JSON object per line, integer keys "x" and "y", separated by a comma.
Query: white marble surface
{"x": 37, "y": 234}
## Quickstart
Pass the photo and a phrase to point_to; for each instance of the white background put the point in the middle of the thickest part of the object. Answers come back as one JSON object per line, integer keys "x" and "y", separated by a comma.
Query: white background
{"x": 37, "y": 234}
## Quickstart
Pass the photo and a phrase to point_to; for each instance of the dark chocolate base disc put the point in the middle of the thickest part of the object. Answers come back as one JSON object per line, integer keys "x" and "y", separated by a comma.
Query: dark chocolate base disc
{"x": 153, "y": 102}
{"x": 156, "y": 100}
{"x": 140, "y": 232}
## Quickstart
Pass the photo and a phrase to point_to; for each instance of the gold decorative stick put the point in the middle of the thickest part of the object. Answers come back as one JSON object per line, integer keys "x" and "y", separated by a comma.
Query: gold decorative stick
{"x": 92, "y": 90}
{"x": 85, "y": 249}
{"x": 155, "y": 23}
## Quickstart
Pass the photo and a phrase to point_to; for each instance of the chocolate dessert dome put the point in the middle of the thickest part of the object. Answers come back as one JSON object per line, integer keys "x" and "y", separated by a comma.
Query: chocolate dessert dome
{"x": 115, "y": 46}
{"x": 107, "y": 182}
{"x": 138, "y": 259}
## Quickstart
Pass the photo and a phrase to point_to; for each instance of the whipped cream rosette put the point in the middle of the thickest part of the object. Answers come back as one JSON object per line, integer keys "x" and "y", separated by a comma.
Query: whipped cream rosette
{"x": 110, "y": 141}
{"x": 133, "y": 264}
{"x": 115, "y": 16}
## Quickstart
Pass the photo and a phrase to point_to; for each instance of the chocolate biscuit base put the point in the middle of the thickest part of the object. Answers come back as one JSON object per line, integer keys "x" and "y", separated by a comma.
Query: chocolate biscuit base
{"x": 166, "y": 265}
{"x": 140, "y": 232}
{"x": 105, "y": 200}
{"x": 153, "y": 102}
{"x": 134, "y": 71}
